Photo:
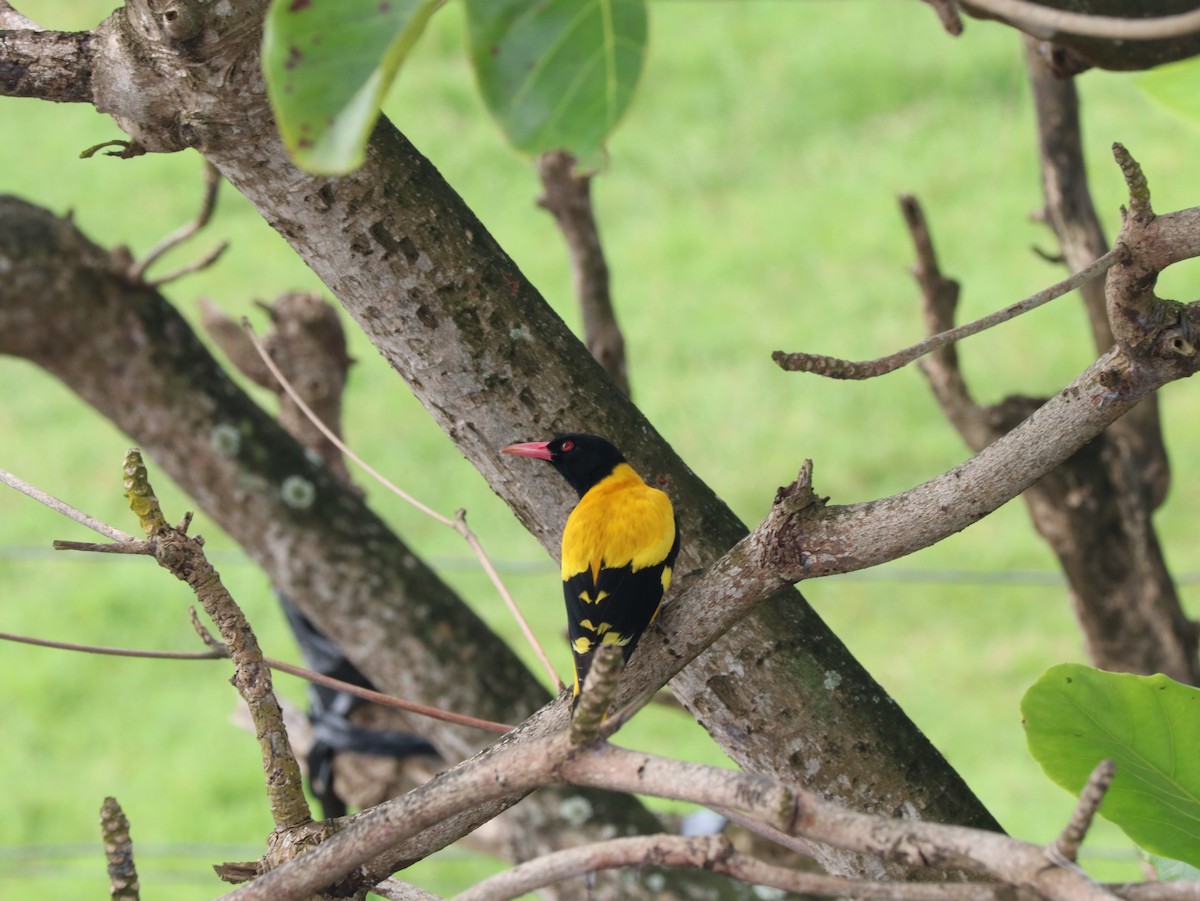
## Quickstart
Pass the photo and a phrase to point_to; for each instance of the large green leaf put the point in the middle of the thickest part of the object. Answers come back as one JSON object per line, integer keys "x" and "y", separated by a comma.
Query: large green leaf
{"x": 1149, "y": 726}
{"x": 557, "y": 74}
{"x": 1168, "y": 870}
{"x": 328, "y": 65}
{"x": 1176, "y": 87}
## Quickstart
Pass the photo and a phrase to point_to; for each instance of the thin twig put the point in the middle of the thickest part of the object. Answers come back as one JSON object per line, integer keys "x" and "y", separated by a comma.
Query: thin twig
{"x": 458, "y": 523}
{"x": 218, "y": 651}
{"x": 947, "y": 13}
{"x": 1043, "y": 19}
{"x": 331, "y": 435}
{"x": 188, "y": 268}
{"x": 835, "y": 368}
{"x": 1065, "y": 849}
{"x": 137, "y": 272}
{"x": 113, "y": 652}
{"x": 64, "y": 508}
{"x": 387, "y": 700}
{"x": 94, "y": 547}
{"x": 770, "y": 833}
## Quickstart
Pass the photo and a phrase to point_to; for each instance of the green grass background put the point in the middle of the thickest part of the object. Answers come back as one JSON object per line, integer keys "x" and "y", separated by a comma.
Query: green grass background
{"x": 750, "y": 206}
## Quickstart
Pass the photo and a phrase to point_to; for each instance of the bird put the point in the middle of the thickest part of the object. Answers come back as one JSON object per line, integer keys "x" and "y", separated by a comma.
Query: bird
{"x": 618, "y": 546}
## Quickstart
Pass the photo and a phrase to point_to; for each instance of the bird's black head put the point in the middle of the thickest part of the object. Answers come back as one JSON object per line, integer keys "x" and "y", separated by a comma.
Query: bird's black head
{"x": 583, "y": 460}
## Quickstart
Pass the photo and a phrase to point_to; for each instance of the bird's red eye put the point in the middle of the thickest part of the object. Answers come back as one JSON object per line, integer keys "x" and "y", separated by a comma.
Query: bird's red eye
{"x": 567, "y": 445}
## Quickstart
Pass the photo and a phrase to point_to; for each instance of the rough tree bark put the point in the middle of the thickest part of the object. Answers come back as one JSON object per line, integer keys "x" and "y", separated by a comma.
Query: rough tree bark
{"x": 493, "y": 364}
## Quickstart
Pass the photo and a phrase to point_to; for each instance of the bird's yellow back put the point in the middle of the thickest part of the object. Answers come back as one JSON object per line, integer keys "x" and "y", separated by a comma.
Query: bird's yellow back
{"x": 621, "y": 521}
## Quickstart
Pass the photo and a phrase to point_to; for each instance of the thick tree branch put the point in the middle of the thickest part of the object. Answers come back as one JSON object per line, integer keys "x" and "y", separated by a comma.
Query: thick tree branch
{"x": 48, "y": 65}
{"x": 1035, "y": 18}
{"x": 12, "y": 20}
{"x": 554, "y": 759}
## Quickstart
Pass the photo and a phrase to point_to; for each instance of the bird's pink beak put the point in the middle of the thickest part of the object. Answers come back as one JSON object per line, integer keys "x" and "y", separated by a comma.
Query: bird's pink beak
{"x": 537, "y": 449}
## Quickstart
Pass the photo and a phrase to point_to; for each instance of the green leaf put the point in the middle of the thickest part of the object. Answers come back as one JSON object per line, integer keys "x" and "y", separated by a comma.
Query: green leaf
{"x": 328, "y": 65}
{"x": 557, "y": 74}
{"x": 1175, "y": 86}
{"x": 1168, "y": 870}
{"x": 1149, "y": 726}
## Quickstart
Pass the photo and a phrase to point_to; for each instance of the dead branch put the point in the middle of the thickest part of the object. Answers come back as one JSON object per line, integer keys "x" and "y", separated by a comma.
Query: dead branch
{"x": 118, "y": 848}
{"x": 220, "y": 651}
{"x": 137, "y": 271}
{"x": 567, "y": 197}
{"x": 1100, "y": 505}
{"x": 65, "y": 509}
{"x": 834, "y": 368}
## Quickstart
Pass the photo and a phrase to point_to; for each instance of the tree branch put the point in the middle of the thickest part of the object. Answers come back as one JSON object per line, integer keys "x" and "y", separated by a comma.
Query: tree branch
{"x": 220, "y": 651}
{"x": 48, "y": 65}
{"x": 12, "y": 20}
{"x": 184, "y": 558}
{"x": 1036, "y": 18}
{"x": 1066, "y": 847}
{"x": 567, "y": 197}
{"x": 65, "y": 509}
{"x": 522, "y": 765}
{"x": 137, "y": 271}
{"x": 834, "y": 368}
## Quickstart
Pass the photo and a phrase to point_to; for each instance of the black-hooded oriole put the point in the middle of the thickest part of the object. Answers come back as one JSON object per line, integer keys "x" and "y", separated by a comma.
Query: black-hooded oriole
{"x": 618, "y": 546}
